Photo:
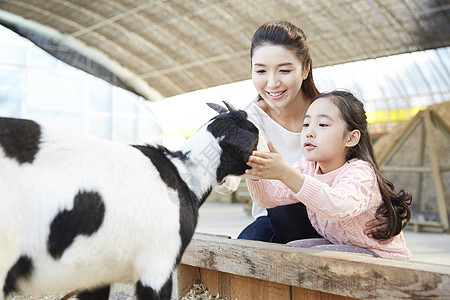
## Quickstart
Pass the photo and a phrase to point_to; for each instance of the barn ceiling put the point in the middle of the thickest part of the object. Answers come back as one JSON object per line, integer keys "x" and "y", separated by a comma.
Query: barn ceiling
{"x": 164, "y": 48}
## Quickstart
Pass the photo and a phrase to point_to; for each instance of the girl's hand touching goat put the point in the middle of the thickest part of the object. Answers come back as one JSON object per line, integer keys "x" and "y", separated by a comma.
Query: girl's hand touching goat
{"x": 271, "y": 165}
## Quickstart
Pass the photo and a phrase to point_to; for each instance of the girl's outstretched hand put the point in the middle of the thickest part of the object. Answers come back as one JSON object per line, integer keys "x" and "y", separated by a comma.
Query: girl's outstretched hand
{"x": 271, "y": 165}
{"x": 267, "y": 165}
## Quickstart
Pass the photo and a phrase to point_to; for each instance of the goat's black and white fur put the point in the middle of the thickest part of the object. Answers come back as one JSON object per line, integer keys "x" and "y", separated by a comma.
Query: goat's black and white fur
{"x": 79, "y": 213}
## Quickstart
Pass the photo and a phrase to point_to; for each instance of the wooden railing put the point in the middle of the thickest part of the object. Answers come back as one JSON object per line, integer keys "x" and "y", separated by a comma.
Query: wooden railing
{"x": 239, "y": 269}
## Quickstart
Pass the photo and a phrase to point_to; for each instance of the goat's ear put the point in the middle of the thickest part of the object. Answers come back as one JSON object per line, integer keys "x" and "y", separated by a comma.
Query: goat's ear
{"x": 219, "y": 108}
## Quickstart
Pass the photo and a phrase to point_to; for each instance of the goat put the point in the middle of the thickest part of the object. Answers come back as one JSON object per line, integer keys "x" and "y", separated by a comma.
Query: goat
{"x": 79, "y": 213}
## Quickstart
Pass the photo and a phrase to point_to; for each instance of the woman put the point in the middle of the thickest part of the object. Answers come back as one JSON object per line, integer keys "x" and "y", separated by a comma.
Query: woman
{"x": 282, "y": 75}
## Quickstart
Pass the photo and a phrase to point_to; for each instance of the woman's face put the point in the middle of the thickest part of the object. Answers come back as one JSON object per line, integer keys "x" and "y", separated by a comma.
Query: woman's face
{"x": 277, "y": 75}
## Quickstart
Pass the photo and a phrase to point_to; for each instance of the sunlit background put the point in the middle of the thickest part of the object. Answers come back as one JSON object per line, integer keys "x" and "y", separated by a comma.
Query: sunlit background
{"x": 35, "y": 85}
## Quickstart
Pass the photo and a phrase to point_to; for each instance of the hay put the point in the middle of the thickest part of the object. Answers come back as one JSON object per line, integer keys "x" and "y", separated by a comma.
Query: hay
{"x": 200, "y": 292}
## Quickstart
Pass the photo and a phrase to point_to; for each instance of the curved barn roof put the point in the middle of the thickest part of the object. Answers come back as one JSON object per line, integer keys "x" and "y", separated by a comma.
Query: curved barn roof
{"x": 164, "y": 48}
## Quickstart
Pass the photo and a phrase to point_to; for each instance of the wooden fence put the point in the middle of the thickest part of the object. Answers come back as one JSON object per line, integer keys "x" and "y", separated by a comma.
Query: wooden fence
{"x": 239, "y": 269}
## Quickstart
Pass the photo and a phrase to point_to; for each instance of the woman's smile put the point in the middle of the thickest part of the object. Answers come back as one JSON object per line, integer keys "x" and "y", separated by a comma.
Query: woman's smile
{"x": 276, "y": 95}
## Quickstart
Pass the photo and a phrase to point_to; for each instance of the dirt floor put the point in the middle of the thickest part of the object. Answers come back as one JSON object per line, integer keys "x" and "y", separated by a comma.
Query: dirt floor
{"x": 121, "y": 291}
{"x": 125, "y": 291}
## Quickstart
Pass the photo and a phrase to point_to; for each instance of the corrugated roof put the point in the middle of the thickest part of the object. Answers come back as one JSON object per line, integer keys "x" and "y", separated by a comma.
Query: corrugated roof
{"x": 164, "y": 48}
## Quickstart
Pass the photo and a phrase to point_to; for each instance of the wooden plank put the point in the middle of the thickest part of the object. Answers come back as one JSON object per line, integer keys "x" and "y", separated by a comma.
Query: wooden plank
{"x": 304, "y": 294}
{"x": 417, "y": 227}
{"x": 384, "y": 157}
{"x": 440, "y": 123}
{"x": 407, "y": 169}
{"x": 278, "y": 291}
{"x": 186, "y": 276}
{"x": 242, "y": 287}
{"x": 225, "y": 285}
{"x": 419, "y": 188}
{"x": 211, "y": 279}
{"x": 230, "y": 286}
{"x": 345, "y": 274}
{"x": 415, "y": 169}
{"x": 427, "y": 223}
{"x": 438, "y": 185}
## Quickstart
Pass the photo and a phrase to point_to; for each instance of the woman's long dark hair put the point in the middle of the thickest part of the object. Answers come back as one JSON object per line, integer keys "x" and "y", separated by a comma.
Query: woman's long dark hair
{"x": 286, "y": 34}
{"x": 395, "y": 206}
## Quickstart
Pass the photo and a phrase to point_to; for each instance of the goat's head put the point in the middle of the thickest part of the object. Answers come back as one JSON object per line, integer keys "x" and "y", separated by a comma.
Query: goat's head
{"x": 237, "y": 136}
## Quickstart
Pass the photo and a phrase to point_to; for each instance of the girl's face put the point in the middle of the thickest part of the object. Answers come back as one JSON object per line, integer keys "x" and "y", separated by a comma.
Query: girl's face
{"x": 325, "y": 138}
{"x": 277, "y": 75}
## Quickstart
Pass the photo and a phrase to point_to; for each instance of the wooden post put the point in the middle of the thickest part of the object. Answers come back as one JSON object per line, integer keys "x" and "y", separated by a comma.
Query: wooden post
{"x": 386, "y": 156}
{"x": 439, "y": 187}
{"x": 423, "y": 138}
{"x": 440, "y": 123}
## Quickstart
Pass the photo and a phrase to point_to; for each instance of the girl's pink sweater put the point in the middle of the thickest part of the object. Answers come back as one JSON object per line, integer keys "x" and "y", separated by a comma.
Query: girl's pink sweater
{"x": 339, "y": 203}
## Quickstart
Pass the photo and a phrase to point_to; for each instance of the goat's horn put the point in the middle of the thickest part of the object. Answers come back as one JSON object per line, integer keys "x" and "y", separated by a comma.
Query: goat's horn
{"x": 230, "y": 106}
{"x": 219, "y": 108}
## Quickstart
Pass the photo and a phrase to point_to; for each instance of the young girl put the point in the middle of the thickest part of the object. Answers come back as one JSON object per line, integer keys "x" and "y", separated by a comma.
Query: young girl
{"x": 338, "y": 180}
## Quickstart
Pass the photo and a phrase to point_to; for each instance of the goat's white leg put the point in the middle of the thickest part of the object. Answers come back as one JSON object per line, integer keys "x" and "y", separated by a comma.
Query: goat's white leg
{"x": 13, "y": 272}
{"x": 155, "y": 274}
{"x": 145, "y": 292}
{"x": 2, "y": 278}
{"x": 4, "y": 262}
{"x": 8, "y": 257}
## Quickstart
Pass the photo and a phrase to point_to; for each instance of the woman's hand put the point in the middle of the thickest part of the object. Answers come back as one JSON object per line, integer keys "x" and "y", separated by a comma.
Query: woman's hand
{"x": 378, "y": 226}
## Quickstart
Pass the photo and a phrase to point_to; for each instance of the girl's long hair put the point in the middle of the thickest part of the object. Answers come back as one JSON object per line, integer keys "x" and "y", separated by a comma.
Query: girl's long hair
{"x": 395, "y": 206}
{"x": 283, "y": 33}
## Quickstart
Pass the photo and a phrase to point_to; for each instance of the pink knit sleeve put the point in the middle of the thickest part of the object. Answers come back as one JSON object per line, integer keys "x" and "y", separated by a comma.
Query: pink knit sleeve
{"x": 351, "y": 193}
{"x": 270, "y": 193}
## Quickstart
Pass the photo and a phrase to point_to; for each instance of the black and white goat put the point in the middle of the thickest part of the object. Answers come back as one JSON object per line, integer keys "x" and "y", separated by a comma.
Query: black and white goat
{"x": 79, "y": 213}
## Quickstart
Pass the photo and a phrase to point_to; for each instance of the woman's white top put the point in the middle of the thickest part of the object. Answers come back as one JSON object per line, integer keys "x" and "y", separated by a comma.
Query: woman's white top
{"x": 287, "y": 142}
